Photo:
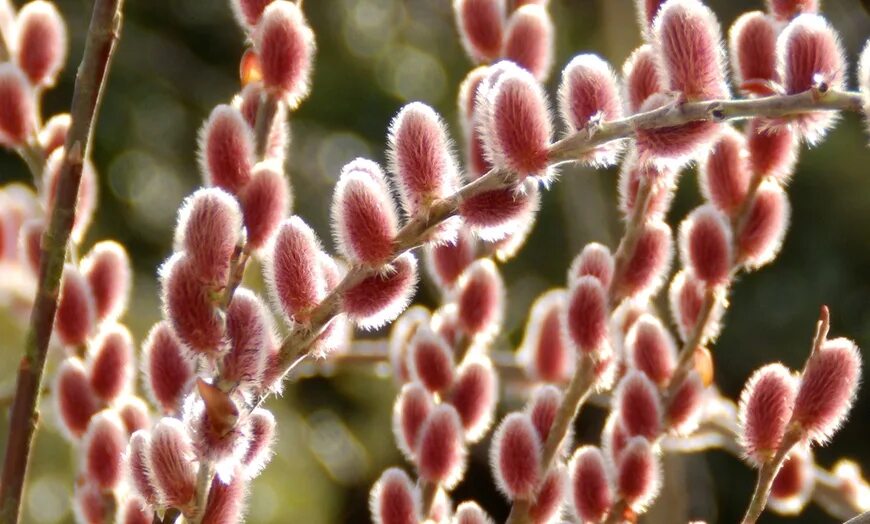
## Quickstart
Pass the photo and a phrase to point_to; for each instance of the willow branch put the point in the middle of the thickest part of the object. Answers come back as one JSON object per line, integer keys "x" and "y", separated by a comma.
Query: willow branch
{"x": 103, "y": 35}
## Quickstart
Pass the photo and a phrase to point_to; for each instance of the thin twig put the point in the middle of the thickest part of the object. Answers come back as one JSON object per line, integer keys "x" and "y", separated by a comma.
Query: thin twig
{"x": 103, "y": 35}
{"x": 767, "y": 474}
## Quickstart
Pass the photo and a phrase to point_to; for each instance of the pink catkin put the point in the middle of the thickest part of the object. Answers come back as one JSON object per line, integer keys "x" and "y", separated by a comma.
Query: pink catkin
{"x": 480, "y": 299}
{"x": 380, "y": 298}
{"x": 208, "y": 230}
{"x": 760, "y": 238}
{"x": 827, "y": 388}
{"x": 410, "y": 411}
{"x": 41, "y": 42}
{"x": 641, "y": 77}
{"x": 644, "y": 272}
{"x": 646, "y": 12}
{"x": 725, "y": 172}
{"x": 265, "y": 201}
{"x": 75, "y": 318}
{"x": 686, "y": 297}
{"x": 786, "y": 9}
{"x": 660, "y": 178}
{"x": 481, "y": 26}
{"x": 651, "y": 349}
{"x": 586, "y": 315}
{"x": 53, "y": 133}
{"x": 17, "y": 106}
{"x": 107, "y": 269}
{"x": 167, "y": 369}
{"x": 528, "y": 40}
{"x": 544, "y": 351}
{"x": 639, "y": 407}
{"x": 594, "y": 260}
{"x": 440, "y": 448}
{"x": 466, "y": 100}
{"x": 251, "y": 334}
{"x": 591, "y": 490}
{"x": 685, "y": 407}
{"x": 170, "y": 460}
{"x": 285, "y": 46}
{"x": 262, "y": 427}
{"x": 706, "y": 245}
{"x": 470, "y": 513}
{"x": 104, "y": 444}
{"x": 134, "y": 414}
{"x": 226, "y": 500}
{"x": 294, "y": 277}
{"x": 402, "y": 330}
{"x": 90, "y": 505}
{"x": 474, "y": 395}
{"x": 673, "y": 146}
{"x": 542, "y": 409}
{"x": 111, "y": 362}
{"x": 76, "y": 401}
{"x": 766, "y": 406}
{"x": 588, "y": 95}
{"x": 517, "y": 127}
{"x": 249, "y": 11}
{"x": 194, "y": 318}
{"x": 226, "y": 149}
{"x": 447, "y": 261}
{"x": 515, "y": 456}
{"x": 550, "y": 496}
{"x": 638, "y": 474}
{"x": 394, "y": 499}
{"x": 364, "y": 218}
{"x": 752, "y": 41}
{"x": 793, "y": 485}
{"x": 496, "y": 214}
{"x": 809, "y": 52}
{"x": 773, "y": 150}
{"x": 431, "y": 361}
{"x": 135, "y": 511}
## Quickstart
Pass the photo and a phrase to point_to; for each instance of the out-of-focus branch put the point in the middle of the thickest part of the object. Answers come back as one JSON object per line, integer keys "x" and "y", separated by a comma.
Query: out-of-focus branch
{"x": 103, "y": 35}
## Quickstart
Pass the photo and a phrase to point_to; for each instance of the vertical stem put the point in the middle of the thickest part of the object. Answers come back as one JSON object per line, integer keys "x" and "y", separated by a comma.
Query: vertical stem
{"x": 767, "y": 474}
{"x": 103, "y": 34}
{"x": 266, "y": 111}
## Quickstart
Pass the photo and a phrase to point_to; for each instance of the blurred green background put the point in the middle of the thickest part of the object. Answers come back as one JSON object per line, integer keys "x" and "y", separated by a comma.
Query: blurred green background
{"x": 179, "y": 58}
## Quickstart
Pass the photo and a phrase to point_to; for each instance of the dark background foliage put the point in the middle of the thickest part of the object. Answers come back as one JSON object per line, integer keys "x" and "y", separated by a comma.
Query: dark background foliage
{"x": 179, "y": 58}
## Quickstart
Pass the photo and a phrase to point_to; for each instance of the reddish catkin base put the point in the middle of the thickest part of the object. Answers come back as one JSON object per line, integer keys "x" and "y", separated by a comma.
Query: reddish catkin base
{"x": 193, "y": 450}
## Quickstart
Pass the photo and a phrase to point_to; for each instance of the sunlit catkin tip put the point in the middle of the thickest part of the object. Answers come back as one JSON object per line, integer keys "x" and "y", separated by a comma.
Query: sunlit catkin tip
{"x": 248, "y": 12}
{"x": 466, "y": 100}
{"x": 515, "y": 456}
{"x": 394, "y": 499}
{"x": 529, "y": 40}
{"x": 382, "y": 297}
{"x": 644, "y": 273}
{"x": 364, "y": 218}
{"x": 431, "y": 361}
{"x": 410, "y": 411}
{"x": 226, "y": 149}
{"x": 639, "y": 475}
{"x": 725, "y": 172}
{"x": 134, "y": 413}
{"x": 285, "y": 45}
{"x": 686, "y": 297}
{"x": 75, "y": 318}
{"x": 688, "y": 41}
{"x": 209, "y": 224}
{"x": 793, "y": 485}
{"x": 470, "y": 513}
{"x": 641, "y": 77}
{"x": 265, "y": 202}
{"x": 446, "y": 262}
{"x": 586, "y": 312}
{"x": 226, "y": 499}
{"x": 474, "y": 395}
{"x": 638, "y": 404}
{"x": 480, "y": 296}
{"x": 517, "y": 128}
{"x": 646, "y": 13}
{"x": 686, "y": 406}
{"x": 420, "y": 158}
{"x": 401, "y": 332}
{"x": 827, "y": 388}
{"x": 788, "y": 9}
{"x": 440, "y": 447}
{"x": 498, "y": 214}
{"x": 188, "y": 305}
{"x": 543, "y": 351}
{"x": 766, "y": 406}
{"x": 103, "y": 445}
{"x": 588, "y": 96}
{"x": 481, "y": 26}
{"x": 167, "y": 370}
{"x": 262, "y": 428}
{"x": 17, "y": 106}
{"x": 752, "y": 42}
{"x": 591, "y": 485}
{"x": 594, "y": 260}
{"x": 251, "y": 334}
{"x": 41, "y": 42}
{"x": 110, "y": 362}
{"x": 706, "y": 245}
{"x": 53, "y": 133}
{"x": 294, "y": 277}
{"x": 107, "y": 269}
{"x": 171, "y": 462}
{"x": 135, "y": 510}
{"x": 760, "y": 238}
{"x": 76, "y": 402}
{"x": 810, "y": 55}
{"x": 651, "y": 349}
{"x": 550, "y": 496}
{"x": 543, "y": 408}
{"x": 662, "y": 182}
